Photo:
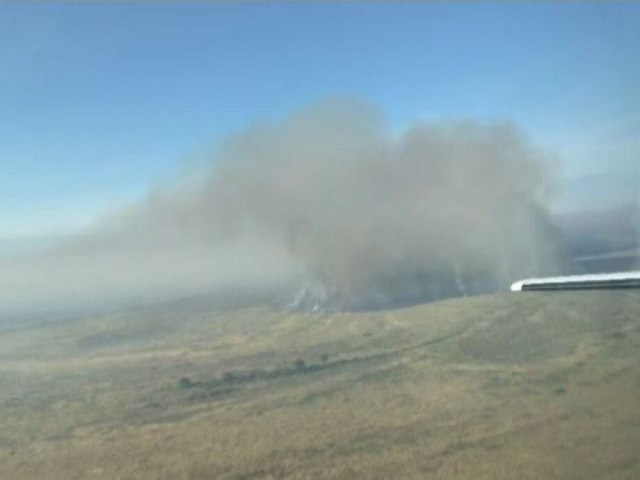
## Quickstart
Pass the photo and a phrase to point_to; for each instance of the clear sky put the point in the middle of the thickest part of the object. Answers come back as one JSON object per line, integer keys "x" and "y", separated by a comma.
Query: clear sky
{"x": 100, "y": 102}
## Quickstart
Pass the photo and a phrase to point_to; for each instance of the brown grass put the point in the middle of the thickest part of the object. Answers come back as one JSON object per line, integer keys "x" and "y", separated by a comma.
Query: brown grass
{"x": 538, "y": 386}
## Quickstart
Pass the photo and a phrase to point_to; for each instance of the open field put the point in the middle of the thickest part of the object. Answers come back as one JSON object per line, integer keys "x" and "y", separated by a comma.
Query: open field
{"x": 530, "y": 386}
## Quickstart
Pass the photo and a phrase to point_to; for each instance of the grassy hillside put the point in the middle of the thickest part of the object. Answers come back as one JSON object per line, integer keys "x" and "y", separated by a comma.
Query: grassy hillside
{"x": 530, "y": 386}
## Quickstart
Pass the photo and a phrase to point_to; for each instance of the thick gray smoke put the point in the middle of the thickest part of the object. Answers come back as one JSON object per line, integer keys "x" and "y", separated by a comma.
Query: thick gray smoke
{"x": 330, "y": 207}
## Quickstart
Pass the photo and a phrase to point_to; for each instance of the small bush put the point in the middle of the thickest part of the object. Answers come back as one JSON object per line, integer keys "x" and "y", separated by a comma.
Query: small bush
{"x": 560, "y": 391}
{"x": 299, "y": 365}
{"x": 185, "y": 382}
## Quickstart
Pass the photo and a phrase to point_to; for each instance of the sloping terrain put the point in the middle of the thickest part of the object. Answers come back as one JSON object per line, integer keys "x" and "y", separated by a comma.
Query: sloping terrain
{"x": 497, "y": 387}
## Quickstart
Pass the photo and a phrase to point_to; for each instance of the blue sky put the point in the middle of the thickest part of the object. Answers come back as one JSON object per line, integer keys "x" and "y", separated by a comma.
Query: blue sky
{"x": 100, "y": 102}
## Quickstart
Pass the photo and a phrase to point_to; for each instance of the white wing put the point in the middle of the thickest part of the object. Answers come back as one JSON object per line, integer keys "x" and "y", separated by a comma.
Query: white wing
{"x": 580, "y": 282}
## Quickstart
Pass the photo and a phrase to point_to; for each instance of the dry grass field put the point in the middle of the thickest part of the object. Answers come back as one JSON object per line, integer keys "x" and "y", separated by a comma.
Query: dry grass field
{"x": 530, "y": 386}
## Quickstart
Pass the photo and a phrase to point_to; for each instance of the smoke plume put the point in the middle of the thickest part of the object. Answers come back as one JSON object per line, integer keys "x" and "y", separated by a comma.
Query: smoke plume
{"x": 328, "y": 207}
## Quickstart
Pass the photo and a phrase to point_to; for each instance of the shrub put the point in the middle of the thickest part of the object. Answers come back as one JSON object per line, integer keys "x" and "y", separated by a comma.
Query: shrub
{"x": 299, "y": 365}
{"x": 185, "y": 382}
